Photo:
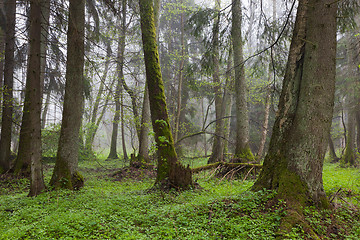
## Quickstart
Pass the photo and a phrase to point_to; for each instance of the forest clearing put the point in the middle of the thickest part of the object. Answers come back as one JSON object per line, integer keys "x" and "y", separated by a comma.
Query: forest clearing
{"x": 122, "y": 206}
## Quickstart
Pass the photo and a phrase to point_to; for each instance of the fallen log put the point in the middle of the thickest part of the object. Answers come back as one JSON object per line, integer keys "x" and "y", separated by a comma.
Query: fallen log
{"x": 225, "y": 164}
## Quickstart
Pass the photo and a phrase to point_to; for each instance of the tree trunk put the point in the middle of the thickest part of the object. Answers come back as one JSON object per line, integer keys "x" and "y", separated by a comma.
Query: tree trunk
{"x": 33, "y": 98}
{"x": 65, "y": 173}
{"x": 45, "y": 16}
{"x": 293, "y": 165}
{"x": 2, "y": 47}
{"x": 349, "y": 157}
{"x": 143, "y": 155}
{"x": 122, "y": 78}
{"x": 6, "y": 124}
{"x": 265, "y": 125}
{"x": 123, "y": 125}
{"x": 217, "y": 149}
{"x": 242, "y": 149}
{"x": 169, "y": 171}
{"x": 227, "y": 99}
{"x": 332, "y": 152}
{"x": 180, "y": 79}
{"x": 144, "y": 130}
{"x": 94, "y": 114}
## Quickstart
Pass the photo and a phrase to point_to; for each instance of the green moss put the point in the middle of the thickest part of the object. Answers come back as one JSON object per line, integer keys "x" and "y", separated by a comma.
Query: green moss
{"x": 348, "y": 159}
{"x": 77, "y": 180}
{"x": 245, "y": 154}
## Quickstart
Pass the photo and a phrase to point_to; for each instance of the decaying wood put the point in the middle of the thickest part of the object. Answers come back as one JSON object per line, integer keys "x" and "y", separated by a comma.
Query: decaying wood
{"x": 225, "y": 164}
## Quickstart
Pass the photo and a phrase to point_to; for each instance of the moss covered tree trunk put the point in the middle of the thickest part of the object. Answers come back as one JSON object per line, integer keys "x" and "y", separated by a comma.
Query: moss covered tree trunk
{"x": 294, "y": 163}
{"x": 65, "y": 173}
{"x": 169, "y": 171}
{"x": 6, "y": 123}
{"x": 143, "y": 155}
{"x": 242, "y": 148}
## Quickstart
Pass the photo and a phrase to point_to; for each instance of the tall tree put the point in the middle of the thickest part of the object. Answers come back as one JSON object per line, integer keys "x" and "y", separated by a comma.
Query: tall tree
{"x": 169, "y": 170}
{"x": 349, "y": 157}
{"x": 95, "y": 120}
{"x": 65, "y": 173}
{"x": 143, "y": 155}
{"x": 6, "y": 123}
{"x": 217, "y": 149}
{"x": 33, "y": 98}
{"x": 294, "y": 162}
{"x": 118, "y": 92}
{"x": 2, "y": 43}
{"x": 242, "y": 149}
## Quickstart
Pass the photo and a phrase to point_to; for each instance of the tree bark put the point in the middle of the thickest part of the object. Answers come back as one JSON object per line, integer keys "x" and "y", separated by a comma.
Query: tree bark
{"x": 293, "y": 165}
{"x": 332, "y": 152}
{"x": 145, "y": 114}
{"x": 6, "y": 123}
{"x": 242, "y": 149}
{"x": 265, "y": 125}
{"x": 45, "y": 16}
{"x": 33, "y": 98}
{"x": 2, "y": 46}
{"x": 217, "y": 149}
{"x": 65, "y": 173}
{"x": 169, "y": 171}
{"x": 122, "y": 77}
{"x": 349, "y": 157}
{"x": 144, "y": 130}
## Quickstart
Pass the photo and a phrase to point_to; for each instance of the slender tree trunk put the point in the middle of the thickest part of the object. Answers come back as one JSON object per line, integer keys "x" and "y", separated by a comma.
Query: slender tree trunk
{"x": 294, "y": 163}
{"x": 123, "y": 125}
{"x": 6, "y": 124}
{"x": 242, "y": 149}
{"x": 332, "y": 152}
{"x": 33, "y": 97}
{"x": 217, "y": 149}
{"x": 265, "y": 125}
{"x": 118, "y": 92}
{"x": 227, "y": 99}
{"x": 45, "y": 16}
{"x": 169, "y": 171}
{"x": 94, "y": 114}
{"x": 180, "y": 79}
{"x": 349, "y": 157}
{"x": 144, "y": 131}
{"x": 65, "y": 173}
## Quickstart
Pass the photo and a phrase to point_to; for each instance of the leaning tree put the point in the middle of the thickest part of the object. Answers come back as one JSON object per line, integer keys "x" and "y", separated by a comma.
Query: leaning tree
{"x": 169, "y": 171}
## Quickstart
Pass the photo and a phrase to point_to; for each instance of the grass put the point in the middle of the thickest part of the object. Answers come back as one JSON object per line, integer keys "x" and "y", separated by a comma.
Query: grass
{"x": 223, "y": 209}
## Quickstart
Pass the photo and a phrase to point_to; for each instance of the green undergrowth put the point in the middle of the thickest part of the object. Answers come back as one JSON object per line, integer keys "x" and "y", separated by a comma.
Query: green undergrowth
{"x": 126, "y": 209}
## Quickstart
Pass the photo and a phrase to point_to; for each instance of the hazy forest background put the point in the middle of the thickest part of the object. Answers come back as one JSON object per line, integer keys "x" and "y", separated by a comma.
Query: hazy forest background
{"x": 179, "y": 119}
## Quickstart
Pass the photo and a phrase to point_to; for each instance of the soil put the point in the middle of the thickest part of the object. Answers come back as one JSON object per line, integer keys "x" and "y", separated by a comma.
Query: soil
{"x": 133, "y": 173}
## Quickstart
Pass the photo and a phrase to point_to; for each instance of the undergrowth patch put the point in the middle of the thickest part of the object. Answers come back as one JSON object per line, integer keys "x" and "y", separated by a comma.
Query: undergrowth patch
{"x": 222, "y": 209}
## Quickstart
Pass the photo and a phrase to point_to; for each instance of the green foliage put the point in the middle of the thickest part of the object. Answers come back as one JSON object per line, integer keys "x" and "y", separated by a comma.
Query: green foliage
{"x": 50, "y": 140}
{"x": 107, "y": 209}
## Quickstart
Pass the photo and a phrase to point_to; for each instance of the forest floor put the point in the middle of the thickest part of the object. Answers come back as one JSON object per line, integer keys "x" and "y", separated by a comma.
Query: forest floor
{"x": 116, "y": 203}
